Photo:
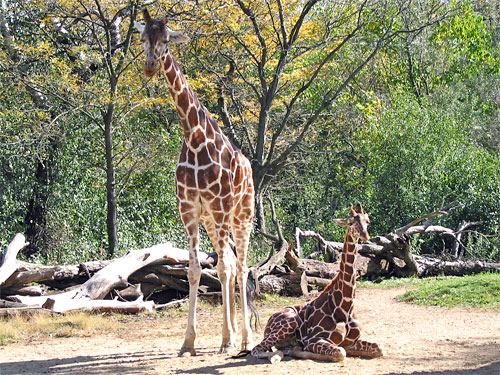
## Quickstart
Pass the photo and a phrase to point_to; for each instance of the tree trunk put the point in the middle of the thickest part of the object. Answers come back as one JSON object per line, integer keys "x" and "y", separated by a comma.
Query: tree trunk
{"x": 289, "y": 284}
{"x": 111, "y": 199}
{"x": 260, "y": 215}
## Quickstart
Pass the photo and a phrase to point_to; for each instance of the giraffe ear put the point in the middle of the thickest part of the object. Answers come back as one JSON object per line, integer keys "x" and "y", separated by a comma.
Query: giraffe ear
{"x": 341, "y": 222}
{"x": 139, "y": 26}
{"x": 176, "y": 37}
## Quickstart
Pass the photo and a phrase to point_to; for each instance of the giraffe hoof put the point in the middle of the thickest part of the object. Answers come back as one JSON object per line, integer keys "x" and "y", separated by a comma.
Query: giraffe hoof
{"x": 225, "y": 348}
{"x": 276, "y": 357}
{"x": 187, "y": 352}
{"x": 246, "y": 346}
{"x": 339, "y": 355}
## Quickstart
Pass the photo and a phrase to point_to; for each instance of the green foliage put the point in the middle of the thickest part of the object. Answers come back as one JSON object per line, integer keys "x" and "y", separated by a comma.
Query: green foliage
{"x": 400, "y": 148}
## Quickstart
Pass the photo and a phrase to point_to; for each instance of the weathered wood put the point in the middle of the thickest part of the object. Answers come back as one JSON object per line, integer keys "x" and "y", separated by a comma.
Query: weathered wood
{"x": 428, "y": 266}
{"x": 116, "y": 306}
{"x": 64, "y": 276}
{"x": 112, "y": 276}
{"x": 10, "y": 308}
{"x": 311, "y": 267}
{"x": 330, "y": 248}
{"x": 317, "y": 281}
{"x": 172, "y": 304}
{"x": 291, "y": 284}
{"x": 131, "y": 293}
{"x": 59, "y": 277}
{"x": 8, "y": 263}
{"x": 30, "y": 290}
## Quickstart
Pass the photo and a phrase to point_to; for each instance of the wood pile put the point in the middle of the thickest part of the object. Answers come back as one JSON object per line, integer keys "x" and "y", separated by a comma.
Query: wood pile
{"x": 156, "y": 277}
{"x": 142, "y": 280}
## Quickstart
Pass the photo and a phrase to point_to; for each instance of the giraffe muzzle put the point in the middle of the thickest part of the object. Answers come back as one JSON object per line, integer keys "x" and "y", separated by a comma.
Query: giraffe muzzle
{"x": 150, "y": 68}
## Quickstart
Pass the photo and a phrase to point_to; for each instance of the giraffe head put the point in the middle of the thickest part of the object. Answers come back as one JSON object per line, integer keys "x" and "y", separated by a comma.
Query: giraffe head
{"x": 357, "y": 223}
{"x": 155, "y": 36}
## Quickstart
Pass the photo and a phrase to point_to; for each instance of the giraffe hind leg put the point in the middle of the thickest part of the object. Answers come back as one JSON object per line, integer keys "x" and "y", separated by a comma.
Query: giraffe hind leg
{"x": 365, "y": 349}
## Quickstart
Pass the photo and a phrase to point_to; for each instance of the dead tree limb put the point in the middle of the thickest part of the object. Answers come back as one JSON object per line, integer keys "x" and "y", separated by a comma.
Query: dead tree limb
{"x": 391, "y": 254}
{"x": 112, "y": 276}
{"x": 331, "y": 249}
{"x": 8, "y": 264}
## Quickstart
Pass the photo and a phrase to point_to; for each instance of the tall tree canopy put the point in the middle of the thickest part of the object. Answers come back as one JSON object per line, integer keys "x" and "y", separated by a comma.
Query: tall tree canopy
{"x": 394, "y": 103}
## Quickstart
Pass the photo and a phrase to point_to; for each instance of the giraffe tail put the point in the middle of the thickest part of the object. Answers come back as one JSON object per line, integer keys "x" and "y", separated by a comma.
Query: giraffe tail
{"x": 241, "y": 354}
{"x": 251, "y": 295}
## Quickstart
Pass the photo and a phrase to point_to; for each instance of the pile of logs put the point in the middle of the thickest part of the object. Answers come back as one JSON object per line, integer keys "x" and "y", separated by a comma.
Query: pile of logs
{"x": 156, "y": 277}
{"x": 142, "y": 280}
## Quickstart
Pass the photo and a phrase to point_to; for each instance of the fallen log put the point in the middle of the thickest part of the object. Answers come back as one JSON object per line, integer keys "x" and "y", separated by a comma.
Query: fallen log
{"x": 9, "y": 309}
{"x": 428, "y": 266}
{"x": 116, "y": 306}
{"x": 112, "y": 276}
{"x": 59, "y": 277}
{"x": 291, "y": 284}
{"x": 30, "y": 290}
{"x": 8, "y": 263}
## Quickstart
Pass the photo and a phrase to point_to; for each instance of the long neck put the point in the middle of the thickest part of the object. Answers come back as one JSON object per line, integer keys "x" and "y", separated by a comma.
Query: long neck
{"x": 342, "y": 289}
{"x": 347, "y": 272}
{"x": 191, "y": 111}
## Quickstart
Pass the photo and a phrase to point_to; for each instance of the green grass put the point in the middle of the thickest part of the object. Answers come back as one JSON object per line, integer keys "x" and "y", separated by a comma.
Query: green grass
{"x": 481, "y": 290}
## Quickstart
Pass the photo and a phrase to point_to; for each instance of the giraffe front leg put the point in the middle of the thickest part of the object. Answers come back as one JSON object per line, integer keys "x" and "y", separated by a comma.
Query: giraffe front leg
{"x": 224, "y": 271}
{"x": 359, "y": 348}
{"x": 280, "y": 328}
{"x": 320, "y": 349}
{"x": 241, "y": 237}
{"x": 194, "y": 275}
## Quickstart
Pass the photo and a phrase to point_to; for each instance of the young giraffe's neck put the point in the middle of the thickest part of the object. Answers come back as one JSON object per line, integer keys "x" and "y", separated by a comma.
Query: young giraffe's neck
{"x": 188, "y": 106}
{"x": 346, "y": 280}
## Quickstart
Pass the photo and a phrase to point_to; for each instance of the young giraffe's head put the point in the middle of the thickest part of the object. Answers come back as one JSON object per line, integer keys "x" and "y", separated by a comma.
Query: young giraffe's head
{"x": 357, "y": 223}
{"x": 155, "y": 36}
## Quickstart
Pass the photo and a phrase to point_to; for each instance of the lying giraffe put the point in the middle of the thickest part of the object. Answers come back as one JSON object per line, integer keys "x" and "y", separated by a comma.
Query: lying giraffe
{"x": 325, "y": 328}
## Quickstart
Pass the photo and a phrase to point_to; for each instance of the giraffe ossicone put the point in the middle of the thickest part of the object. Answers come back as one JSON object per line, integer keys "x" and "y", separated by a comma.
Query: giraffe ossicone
{"x": 326, "y": 328}
{"x": 214, "y": 186}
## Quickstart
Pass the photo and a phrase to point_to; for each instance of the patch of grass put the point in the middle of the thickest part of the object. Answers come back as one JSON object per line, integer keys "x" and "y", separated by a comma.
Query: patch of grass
{"x": 392, "y": 283}
{"x": 27, "y": 328}
{"x": 481, "y": 290}
{"x": 6, "y": 336}
{"x": 274, "y": 300}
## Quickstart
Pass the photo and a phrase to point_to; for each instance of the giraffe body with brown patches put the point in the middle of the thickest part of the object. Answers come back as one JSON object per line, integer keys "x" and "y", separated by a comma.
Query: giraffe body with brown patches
{"x": 214, "y": 186}
{"x": 326, "y": 328}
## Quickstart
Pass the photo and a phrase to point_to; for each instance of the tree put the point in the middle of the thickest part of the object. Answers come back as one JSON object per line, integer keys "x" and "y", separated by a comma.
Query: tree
{"x": 289, "y": 63}
{"x": 79, "y": 56}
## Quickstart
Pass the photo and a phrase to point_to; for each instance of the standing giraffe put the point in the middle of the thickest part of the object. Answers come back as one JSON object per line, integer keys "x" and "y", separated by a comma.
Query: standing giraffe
{"x": 325, "y": 328}
{"x": 214, "y": 186}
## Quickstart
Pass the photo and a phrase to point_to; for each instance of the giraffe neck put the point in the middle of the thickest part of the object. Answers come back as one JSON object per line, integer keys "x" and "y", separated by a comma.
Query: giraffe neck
{"x": 347, "y": 274}
{"x": 192, "y": 112}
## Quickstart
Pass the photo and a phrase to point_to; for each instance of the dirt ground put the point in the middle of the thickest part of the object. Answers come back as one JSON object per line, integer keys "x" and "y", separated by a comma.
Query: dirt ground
{"x": 417, "y": 340}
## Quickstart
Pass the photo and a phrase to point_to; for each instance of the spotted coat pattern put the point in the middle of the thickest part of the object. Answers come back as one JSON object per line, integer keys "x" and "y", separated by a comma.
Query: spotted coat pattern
{"x": 214, "y": 186}
{"x": 326, "y": 325}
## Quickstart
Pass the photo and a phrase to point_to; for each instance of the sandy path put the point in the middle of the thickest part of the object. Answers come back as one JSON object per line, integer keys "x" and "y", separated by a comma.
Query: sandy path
{"x": 417, "y": 340}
